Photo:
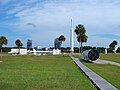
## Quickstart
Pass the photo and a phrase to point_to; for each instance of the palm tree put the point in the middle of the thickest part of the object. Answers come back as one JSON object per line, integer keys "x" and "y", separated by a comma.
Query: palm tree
{"x": 62, "y": 38}
{"x": 81, "y": 37}
{"x": 18, "y": 44}
{"x": 3, "y": 41}
{"x": 113, "y": 44}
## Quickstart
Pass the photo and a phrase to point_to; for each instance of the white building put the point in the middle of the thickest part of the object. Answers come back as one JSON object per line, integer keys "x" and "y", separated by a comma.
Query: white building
{"x": 56, "y": 51}
{"x": 16, "y": 51}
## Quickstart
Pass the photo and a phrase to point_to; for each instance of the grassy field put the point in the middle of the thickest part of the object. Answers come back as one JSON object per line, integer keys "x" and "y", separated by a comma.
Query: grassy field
{"x": 108, "y": 72}
{"x": 41, "y": 73}
{"x": 76, "y": 55}
{"x": 111, "y": 57}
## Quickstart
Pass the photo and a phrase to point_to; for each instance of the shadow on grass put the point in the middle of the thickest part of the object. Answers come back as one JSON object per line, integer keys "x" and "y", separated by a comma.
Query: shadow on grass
{"x": 86, "y": 61}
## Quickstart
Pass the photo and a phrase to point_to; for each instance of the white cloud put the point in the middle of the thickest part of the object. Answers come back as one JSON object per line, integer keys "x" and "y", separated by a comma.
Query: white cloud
{"x": 53, "y": 17}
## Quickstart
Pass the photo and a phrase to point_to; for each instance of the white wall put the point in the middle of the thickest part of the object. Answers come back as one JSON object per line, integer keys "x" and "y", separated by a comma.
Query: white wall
{"x": 22, "y": 51}
{"x": 56, "y": 51}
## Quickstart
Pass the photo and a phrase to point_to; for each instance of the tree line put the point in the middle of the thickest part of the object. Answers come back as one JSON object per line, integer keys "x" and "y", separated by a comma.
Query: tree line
{"x": 81, "y": 38}
{"x": 4, "y": 41}
{"x": 76, "y": 49}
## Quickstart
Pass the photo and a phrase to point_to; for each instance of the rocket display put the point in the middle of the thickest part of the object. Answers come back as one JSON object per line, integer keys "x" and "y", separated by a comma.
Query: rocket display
{"x": 71, "y": 38}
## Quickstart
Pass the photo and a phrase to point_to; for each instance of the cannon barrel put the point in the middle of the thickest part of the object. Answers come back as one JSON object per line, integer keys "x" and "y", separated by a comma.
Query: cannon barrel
{"x": 91, "y": 55}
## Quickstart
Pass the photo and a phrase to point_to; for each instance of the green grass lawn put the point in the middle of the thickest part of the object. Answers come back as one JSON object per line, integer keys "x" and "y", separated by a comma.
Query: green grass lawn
{"x": 41, "y": 73}
{"x": 110, "y": 73}
{"x": 76, "y": 55}
{"x": 111, "y": 57}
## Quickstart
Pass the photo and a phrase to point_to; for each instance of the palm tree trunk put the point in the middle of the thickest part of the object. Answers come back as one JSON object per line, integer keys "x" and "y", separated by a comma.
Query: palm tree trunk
{"x": 1, "y": 53}
{"x": 79, "y": 50}
{"x": 19, "y": 51}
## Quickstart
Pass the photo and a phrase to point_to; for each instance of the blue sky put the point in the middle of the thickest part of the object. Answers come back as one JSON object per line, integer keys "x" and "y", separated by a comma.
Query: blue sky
{"x": 44, "y": 20}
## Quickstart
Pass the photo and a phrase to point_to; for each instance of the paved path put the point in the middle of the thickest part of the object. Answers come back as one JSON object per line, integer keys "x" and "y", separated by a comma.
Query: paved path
{"x": 98, "y": 81}
{"x": 106, "y": 62}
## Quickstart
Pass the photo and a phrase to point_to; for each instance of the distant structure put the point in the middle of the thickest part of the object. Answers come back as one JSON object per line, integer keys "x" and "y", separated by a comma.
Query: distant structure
{"x": 57, "y": 43}
{"x": 39, "y": 47}
{"x": 21, "y": 51}
{"x": 29, "y": 44}
{"x": 106, "y": 51}
{"x": 115, "y": 50}
{"x": 71, "y": 38}
{"x": 46, "y": 52}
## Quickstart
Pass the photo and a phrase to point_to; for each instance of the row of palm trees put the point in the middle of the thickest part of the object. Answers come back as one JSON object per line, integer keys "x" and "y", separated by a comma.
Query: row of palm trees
{"x": 4, "y": 41}
{"x": 80, "y": 32}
